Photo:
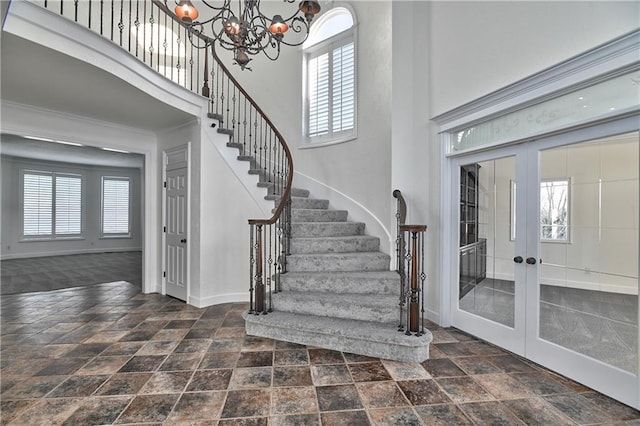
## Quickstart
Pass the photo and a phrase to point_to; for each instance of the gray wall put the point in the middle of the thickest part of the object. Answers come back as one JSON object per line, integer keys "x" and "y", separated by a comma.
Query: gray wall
{"x": 13, "y": 247}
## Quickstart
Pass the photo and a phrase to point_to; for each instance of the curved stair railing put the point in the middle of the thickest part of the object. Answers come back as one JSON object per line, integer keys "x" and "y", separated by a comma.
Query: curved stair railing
{"x": 151, "y": 32}
{"x": 410, "y": 267}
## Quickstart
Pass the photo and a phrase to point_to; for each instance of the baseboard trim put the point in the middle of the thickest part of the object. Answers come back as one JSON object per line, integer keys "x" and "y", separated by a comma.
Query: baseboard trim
{"x": 6, "y": 256}
{"x": 203, "y": 302}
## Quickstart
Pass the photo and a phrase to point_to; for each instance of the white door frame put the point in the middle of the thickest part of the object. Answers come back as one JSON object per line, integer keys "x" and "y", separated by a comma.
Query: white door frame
{"x": 185, "y": 152}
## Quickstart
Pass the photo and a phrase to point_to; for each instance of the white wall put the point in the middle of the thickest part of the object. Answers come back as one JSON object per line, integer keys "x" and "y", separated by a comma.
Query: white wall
{"x": 13, "y": 246}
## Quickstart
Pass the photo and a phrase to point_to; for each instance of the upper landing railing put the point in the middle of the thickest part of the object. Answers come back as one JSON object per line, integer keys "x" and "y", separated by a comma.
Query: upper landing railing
{"x": 148, "y": 30}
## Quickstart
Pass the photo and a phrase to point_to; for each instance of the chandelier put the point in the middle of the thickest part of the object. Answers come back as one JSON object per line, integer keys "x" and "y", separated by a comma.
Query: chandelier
{"x": 246, "y": 30}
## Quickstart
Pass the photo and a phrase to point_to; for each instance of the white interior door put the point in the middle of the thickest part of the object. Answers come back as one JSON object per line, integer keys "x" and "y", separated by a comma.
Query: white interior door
{"x": 548, "y": 264}
{"x": 176, "y": 223}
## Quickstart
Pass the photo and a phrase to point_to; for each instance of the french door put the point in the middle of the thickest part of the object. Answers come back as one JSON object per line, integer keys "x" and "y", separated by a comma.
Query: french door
{"x": 547, "y": 253}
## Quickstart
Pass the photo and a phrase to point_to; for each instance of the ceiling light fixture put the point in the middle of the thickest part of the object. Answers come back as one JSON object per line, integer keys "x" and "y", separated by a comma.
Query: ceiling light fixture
{"x": 246, "y": 30}
{"x": 37, "y": 138}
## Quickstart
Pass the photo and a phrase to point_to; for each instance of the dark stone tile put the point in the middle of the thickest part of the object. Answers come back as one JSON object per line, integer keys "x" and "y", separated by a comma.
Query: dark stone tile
{"x": 11, "y": 409}
{"x": 138, "y": 335}
{"x": 198, "y": 405}
{"x": 345, "y": 418}
{"x": 511, "y": 364}
{"x": 536, "y": 411}
{"x": 88, "y": 350}
{"x": 192, "y": 346}
{"x": 282, "y": 345}
{"x": 394, "y": 416}
{"x": 62, "y": 366}
{"x": 541, "y": 383}
{"x": 149, "y": 408}
{"x": 180, "y": 324}
{"x": 201, "y": 333}
{"x": 423, "y": 392}
{"x": 219, "y": 360}
{"x": 177, "y": 362}
{"x": 463, "y": 389}
{"x": 454, "y": 350}
{"x": 225, "y": 346}
{"x": 167, "y": 382}
{"x": 291, "y": 357}
{"x": 143, "y": 363}
{"x": 157, "y": 347}
{"x": 332, "y": 374}
{"x": 442, "y": 415}
{"x": 294, "y": 400}
{"x": 255, "y": 359}
{"x": 98, "y": 411}
{"x": 503, "y": 386}
{"x": 358, "y": 358}
{"x": 124, "y": 384}
{"x": 250, "y": 421}
{"x": 103, "y": 365}
{"x": 614, "y": 409}
{"x": 247, "y": 403}
{"x": 123, "y": 348}
{"x": 368, "y": 372}
{"x": 33, "y": 387}
{"x": 48, "y": 411}
{"x": 442, "y": 367}
{"x": 76, "y": 386}
{"x": 295, "y": 420}
{"x": 292, "y": 376}
{"x": 253, "y": 343}
{"x": 578, "y": 408}
{"x": 210, "y": 380}
{"x": 337, "y": 398}
{"x": 476, "y": 365}
{"x": 489, "y": 413}
{"x": 255, "y": 377}
{"x": 325, "y": 356}
{"x": 381, "y": 394}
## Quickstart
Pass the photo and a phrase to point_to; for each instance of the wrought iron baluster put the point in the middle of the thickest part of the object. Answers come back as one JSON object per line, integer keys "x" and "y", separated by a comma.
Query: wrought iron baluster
{"x": 252, "y": 261}
{"x": 89, "y": 20}
{"x": 137, "y": 25}
{"x": 101, "y": 17}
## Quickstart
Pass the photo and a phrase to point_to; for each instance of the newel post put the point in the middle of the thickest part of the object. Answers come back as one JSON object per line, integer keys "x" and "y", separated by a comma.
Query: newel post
{"x": 415, "y": 270}
{"x": 259, "y": 288}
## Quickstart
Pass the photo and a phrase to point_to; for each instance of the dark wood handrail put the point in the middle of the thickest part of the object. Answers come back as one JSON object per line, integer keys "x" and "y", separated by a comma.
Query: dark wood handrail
{"x": 211, "y": 42}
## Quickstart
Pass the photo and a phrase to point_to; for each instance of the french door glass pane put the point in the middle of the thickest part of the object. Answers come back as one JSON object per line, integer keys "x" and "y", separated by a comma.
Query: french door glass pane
{"x": 589, "y": 281}
{"x": 486, "y": 252}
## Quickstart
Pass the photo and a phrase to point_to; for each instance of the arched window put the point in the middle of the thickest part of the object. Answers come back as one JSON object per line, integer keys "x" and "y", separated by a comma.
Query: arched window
{"x": 330, "y": 79}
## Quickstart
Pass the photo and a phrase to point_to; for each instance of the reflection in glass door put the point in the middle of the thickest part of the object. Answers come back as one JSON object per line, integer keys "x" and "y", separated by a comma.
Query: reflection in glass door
{"x": 588, "y": 233}
{"x": 486, "y": 278}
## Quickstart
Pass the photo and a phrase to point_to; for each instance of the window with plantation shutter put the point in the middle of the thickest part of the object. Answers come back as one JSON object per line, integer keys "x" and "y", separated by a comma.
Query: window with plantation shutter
{"x": 115, "y": 206}
{"x": 51, "y": 204}
{"x": 330, "y": 81}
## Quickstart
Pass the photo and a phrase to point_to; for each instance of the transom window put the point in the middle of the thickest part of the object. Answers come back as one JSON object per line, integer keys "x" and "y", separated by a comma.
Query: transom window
{"x": 330, "y": 79}
{"x": 51, "y": 204}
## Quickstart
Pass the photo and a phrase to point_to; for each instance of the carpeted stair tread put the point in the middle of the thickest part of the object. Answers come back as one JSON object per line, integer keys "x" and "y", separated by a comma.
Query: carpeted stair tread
{"x": 355, "y": 261}
{"x": 317, "y": 215}
{"x": 339, "y": 244}
{"x": 374, "y": 282}
{"x": 380, "y": 340}
{"x": 326, "y": 229}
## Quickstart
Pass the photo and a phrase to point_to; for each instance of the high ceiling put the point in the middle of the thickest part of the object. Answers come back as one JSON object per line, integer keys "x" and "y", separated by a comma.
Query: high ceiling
{"x": 35, "y": 75}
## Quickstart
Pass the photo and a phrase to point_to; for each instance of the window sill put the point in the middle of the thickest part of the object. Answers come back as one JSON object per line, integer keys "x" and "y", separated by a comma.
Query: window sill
{"x": 52, "y": 239}
{"x": 320, "y": 144}
{"x": 115, "y": 237}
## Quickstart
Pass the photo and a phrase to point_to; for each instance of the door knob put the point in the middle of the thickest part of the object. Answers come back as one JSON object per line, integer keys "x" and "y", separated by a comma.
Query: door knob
{"x": 183, "y": 241}
{"x": 518, "y": 259}
{"x": 531, "y": 260}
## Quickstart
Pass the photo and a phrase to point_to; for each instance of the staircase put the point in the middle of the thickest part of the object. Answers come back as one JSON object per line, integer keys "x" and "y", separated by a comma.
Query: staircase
{"x": 338, "y": 292}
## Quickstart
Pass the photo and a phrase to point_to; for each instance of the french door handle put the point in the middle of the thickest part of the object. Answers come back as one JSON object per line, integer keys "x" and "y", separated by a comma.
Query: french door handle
{"x": 531, "y": 260}
{"x": 518, "y": 259}
{"x": 183, "y": 241}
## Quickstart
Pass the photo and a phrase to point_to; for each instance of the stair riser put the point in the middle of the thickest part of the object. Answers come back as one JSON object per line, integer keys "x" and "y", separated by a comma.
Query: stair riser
{"x": 338, "y": 285}
{"x": 347, "y": 344}
{"x": 321, "y": 229}
{"x": 310, "y": 215}
{"x": 339, "y": 262}
{"x": 334, "y": 245}
{"x": 385, "y": 310}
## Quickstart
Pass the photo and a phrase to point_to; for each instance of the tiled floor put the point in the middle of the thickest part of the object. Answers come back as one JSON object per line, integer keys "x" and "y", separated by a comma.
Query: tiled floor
{"x": 107, "y": 354}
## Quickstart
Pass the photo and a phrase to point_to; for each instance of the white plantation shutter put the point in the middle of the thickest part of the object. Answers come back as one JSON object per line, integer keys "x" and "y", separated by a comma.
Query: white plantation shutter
{"x": 68, "y": 205}
{"x": 115, "y": 206}
{"x": 343, "y": 88}
{"x": 37, "y": 203}
{"x": 319, "y": 95}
